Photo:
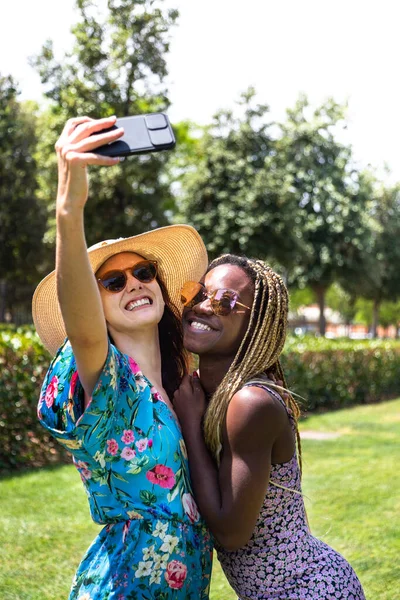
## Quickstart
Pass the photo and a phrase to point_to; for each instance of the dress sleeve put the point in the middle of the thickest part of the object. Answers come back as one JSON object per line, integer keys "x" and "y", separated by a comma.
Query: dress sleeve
{"x": 61, "y": 404}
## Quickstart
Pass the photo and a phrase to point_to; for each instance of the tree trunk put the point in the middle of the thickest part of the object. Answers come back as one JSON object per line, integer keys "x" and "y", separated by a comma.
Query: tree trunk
{"x": 3, "y": 300}
{"x": 375, "y": 318}
{"x": 320, "y": 293}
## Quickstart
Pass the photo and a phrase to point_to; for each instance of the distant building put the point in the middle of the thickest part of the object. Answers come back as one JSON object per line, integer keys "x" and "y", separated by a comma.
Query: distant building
{"x": 306, "y": 320}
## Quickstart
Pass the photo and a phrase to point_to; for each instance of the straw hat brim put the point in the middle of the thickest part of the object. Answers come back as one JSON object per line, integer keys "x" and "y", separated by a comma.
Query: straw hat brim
{"x": 178, "y": 249}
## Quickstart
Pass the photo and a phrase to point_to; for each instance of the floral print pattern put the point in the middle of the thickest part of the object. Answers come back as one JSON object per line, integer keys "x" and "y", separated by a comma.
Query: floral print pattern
{"x": 128, "y": 449}
{"x": 282, "y": 560}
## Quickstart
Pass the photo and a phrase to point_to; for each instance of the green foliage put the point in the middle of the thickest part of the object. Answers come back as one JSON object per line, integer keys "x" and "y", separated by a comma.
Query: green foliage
{"x": 234, "y": 196}
{"x": 332, "y": 374}
{"x": 364, "y": 311}
{"x": 117, "y": 66}
{"x": 342, "y": 302}
{"x": 390, "y": 314}
{"x": 381, "y": 281}
{"x": 377, "y": 278}
{"x": 23, "y": 364}
{"x": 22, "y": 222}
{"x": 301, "y": 297}
{"x": 185, "y": 159}
{"x": 284, "y": 192}
{"x": 328, "y": 374}
{"x": 331, "y": 212}
{"x": 331, "y": 206}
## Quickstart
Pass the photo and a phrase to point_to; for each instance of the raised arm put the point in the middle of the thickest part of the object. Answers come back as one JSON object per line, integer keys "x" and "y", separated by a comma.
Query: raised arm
{"x": 230, "y": 497}
{"x": 77, "y": 289}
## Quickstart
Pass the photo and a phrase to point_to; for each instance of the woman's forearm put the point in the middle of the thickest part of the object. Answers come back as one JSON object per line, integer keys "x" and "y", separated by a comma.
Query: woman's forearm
{"x": 205, "y": 482}
{"x": 77, "y": 290}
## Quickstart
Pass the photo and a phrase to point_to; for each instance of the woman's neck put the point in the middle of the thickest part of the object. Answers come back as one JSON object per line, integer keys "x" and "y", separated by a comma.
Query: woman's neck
{"x": 212, "y": 370}
{"x": 144, "y": 348}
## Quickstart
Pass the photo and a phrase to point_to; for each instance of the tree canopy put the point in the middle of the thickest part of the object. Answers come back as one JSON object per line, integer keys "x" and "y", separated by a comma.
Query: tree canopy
{"x": 377, "y": 277}
{"x": 236, "y": 195}
{"x": 22, "y": 220}
{"x": 287, "y": 192}
{"x": 117, "y": 66}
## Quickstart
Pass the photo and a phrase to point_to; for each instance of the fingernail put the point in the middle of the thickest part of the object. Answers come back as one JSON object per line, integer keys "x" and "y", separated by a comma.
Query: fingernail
{"x": 195, "y": 374}
{"x": 121, "y": 158}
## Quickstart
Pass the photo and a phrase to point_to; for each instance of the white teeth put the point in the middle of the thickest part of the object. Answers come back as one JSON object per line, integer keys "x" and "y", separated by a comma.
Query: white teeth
{"x": 201, "y": 326}
{"x": 137, "y": 303}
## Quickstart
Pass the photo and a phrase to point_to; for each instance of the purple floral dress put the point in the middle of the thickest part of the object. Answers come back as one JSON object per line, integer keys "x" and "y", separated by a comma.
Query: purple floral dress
{"x": 283, "y": 560}
{"x": 129, "y": 451}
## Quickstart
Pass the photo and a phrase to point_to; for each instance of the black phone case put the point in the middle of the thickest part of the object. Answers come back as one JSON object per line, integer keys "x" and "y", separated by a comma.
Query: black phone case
{"x": 143, "y": 134}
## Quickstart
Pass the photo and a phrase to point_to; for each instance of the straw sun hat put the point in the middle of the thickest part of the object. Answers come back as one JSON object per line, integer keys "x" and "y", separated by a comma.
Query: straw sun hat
{"x": 178, "y": 249}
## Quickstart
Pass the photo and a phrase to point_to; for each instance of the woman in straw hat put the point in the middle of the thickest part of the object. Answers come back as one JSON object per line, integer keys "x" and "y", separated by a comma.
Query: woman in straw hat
{"x": 109, "y": 315}
{"x": 246, "y": 473}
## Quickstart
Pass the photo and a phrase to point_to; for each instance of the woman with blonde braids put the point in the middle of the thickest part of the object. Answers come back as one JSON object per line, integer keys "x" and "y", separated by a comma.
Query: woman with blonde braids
{"x": 241, "y": 433}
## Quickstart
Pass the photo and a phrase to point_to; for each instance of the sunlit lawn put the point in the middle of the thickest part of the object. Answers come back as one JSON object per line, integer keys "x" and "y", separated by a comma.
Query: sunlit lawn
{"x": 352, "y": 483}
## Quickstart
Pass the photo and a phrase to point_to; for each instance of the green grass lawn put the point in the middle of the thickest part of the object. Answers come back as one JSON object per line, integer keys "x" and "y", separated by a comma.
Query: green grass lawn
{"x": 352, "y": 483}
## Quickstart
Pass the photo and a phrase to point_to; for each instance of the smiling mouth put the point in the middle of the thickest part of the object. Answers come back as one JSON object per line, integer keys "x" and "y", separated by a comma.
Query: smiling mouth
{"x": 197, "y": 326}
{"x": 136, "y": 303}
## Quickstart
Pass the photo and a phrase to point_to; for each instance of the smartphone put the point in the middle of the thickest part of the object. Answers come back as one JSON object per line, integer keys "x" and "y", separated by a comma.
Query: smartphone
{"x": 143, "y": 134}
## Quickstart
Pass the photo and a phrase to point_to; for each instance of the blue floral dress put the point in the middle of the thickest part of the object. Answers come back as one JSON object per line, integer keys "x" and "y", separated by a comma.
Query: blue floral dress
{"x": 129, "y": 451}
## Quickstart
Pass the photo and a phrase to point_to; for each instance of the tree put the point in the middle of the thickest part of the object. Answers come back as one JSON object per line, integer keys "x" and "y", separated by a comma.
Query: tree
{"x": 286, "y": 192}
{"x": 234, "y": 194}
{"x": 378, "y": 277}
{"x": 390, "y": 315}
{"x": 300, "y": 297}
{"x": 22, "y": 221}
{"x": 363, "y": 312}
{"x": 117, "y": 66}
{"x": 342, "y": 302}
{"x": 331, "y": 210}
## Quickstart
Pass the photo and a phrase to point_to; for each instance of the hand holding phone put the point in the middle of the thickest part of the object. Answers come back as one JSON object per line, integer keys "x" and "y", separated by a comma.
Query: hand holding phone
{"x": 142, "y": 134}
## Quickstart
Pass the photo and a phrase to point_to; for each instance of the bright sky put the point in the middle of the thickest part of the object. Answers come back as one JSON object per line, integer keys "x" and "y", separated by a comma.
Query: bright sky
{"x": 348, "y": 49}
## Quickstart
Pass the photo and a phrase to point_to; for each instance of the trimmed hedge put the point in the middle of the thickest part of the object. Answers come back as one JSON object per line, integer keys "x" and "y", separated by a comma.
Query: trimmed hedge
{"x": 328, "y": 374}
{"x": 332, "y": 374}
{"x": 23, "y": 365}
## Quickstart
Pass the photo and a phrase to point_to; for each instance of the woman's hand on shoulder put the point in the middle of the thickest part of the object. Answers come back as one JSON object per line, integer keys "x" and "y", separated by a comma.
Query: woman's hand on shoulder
{"x": 76, "y": 149}
{"x": 190, "y": 403}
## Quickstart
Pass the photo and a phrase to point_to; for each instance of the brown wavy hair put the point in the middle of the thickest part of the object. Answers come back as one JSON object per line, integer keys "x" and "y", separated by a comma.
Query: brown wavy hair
{"x": 174, "y": 357}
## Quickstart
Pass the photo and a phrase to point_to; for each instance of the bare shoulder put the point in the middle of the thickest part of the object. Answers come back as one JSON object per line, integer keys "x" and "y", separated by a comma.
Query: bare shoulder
{"x": 256, "y": 402}
{"x": 254, "y": 410}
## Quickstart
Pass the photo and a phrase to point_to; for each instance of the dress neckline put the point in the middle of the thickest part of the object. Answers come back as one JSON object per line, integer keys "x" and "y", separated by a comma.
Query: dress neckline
{"x": 153, "y": 390}
{"x": 159, "y": 397}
